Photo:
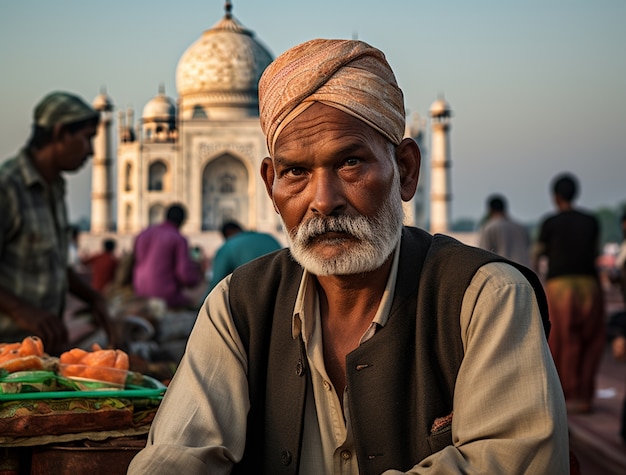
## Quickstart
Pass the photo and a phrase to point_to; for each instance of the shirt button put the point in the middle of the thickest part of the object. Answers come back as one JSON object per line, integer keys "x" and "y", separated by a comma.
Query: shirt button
{"x": 327, "y": 386}
{"x": 285, "y": 457}
{"x": 346, "y": 455}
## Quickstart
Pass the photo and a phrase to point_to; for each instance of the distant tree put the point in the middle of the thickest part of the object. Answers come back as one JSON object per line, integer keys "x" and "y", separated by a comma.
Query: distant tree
{"x": 609, "y": 224}
{"x": 83, "y": 223}
{"x": 463, "y": 225}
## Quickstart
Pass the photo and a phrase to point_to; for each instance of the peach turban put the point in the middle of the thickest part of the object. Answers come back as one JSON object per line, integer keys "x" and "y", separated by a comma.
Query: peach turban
{"x": 349, "y": 75}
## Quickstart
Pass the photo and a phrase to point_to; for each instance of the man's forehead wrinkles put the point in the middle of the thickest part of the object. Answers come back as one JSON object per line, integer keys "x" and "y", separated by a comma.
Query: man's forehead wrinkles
{"x": 294, "y": 153}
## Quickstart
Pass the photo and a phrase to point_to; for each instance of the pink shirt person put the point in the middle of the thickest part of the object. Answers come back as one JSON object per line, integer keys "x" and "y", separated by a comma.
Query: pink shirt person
{"x": 163, "y": 267}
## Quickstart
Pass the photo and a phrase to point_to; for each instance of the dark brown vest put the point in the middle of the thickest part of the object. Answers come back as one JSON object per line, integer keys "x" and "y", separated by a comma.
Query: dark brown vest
{"x": 398, "y": 382}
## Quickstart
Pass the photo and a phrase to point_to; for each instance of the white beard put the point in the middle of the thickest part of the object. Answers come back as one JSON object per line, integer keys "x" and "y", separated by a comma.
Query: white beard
{"x": 376, "y": 237}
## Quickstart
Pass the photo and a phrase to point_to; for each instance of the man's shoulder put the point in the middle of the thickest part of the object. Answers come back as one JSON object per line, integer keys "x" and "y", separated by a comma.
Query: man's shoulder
{"x": 143, "y": 233}
{"x": 503, "y": 223}
{"x": 448, "y": 256}
{"x": 587, "y": 215}
{"x": 13, "y": 184}
{"x": 511, "y": 226}
{"x": 272, "y": 262}
{"x": 250, "y": 240}
{"x": 492, "y": 224}
{"x": 9, "y": 170}
{"x": 254, "y": 235}
{"x": 577, "y": 216}
{"x": 267, "y": 240}
{"x": 268, "y": 270}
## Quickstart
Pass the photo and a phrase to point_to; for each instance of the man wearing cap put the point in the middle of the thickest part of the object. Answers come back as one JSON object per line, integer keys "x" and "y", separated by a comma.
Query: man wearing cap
{"x": 34, "y": 231}
{"x": 367, "y": 347}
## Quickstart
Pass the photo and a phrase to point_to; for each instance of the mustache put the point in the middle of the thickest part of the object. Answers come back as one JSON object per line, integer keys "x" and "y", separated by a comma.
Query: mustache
{"x": 354, "y": 226}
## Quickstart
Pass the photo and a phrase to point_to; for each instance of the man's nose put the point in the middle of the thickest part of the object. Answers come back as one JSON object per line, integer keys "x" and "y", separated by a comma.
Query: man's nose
{"x": 328, "y": 197}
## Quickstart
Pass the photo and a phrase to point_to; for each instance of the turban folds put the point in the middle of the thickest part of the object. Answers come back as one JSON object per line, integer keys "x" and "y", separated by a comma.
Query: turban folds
{"x": 349, "y": 75}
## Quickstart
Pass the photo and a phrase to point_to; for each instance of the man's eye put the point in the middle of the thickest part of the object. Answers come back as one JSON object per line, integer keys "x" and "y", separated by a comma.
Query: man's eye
{"x": 352, "y": 161}
{"x": 294, "y": 172}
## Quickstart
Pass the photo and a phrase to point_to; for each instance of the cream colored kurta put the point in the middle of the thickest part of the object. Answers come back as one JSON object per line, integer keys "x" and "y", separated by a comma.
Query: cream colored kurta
{"x": 509, "y": 412}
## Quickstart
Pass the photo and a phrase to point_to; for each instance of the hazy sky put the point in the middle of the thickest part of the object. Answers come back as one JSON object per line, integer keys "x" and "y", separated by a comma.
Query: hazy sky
{"x": 536, "y": 87}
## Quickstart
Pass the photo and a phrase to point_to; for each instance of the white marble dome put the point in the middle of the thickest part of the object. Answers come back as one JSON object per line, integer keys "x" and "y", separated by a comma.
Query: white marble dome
{"x": 221, "y": 70}
{"x": 159, "y": 107}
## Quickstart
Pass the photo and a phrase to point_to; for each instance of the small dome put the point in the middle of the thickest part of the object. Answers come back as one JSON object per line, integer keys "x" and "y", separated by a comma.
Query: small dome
{"x": 222, "y": 68}
{"x": 102, "y": 102}
{"x": 160, "y": 108}
{"x": 440, "y": 108}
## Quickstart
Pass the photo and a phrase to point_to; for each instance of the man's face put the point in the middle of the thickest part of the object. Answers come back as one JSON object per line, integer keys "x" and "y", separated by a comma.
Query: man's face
{"x": 75, "y": 148}
{"x": 335, "y": 183}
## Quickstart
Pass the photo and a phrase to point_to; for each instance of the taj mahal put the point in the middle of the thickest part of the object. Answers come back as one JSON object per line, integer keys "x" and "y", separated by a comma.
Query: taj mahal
{"x": 204, "y": 149}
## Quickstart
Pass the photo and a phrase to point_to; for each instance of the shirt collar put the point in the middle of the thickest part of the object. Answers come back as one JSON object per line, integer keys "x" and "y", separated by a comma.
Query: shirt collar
{"x": 303, "y": 318}
{"x": 32, "y": 176}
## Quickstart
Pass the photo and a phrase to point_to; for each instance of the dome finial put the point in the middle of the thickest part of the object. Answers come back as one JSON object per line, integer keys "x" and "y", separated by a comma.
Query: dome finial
{"x": 228, "y": 8}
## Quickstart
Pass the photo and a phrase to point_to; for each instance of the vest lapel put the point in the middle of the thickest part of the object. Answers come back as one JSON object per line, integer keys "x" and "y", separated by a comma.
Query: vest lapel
{"x": 388, "y": 439}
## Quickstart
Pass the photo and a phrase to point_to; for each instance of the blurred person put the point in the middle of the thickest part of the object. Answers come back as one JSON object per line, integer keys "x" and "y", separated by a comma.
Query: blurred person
{"x": 162, "y": 262}
{"x": 35, "y": 272}
{"x": 570, "y": 240}
{"x": 73, "y": 257}
{"x": 620, "y": 259}
{"x": 617, "y": 338}
{"x": 239, "y": 247}
{"x": 617, "y": 321}
{"x": 165, "y": 269}
{"x": 618, "y": 348}
{"x": 503, "y": 235}
{"x": 366, "y": 346}
{"x": 103, "y": 266}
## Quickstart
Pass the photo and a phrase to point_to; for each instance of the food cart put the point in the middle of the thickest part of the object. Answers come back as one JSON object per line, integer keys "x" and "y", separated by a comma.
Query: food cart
{"x": 54, "y": 424}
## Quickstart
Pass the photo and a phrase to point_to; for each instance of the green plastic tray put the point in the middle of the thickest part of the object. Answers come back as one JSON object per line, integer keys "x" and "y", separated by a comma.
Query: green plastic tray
{"x": 151, "y": 388}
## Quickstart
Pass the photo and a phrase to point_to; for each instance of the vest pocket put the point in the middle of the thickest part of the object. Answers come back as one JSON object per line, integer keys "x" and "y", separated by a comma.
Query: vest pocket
{"x": 438, "y": 441}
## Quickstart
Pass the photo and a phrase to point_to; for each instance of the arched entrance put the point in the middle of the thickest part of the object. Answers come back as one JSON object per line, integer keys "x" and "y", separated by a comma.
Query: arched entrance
{"x": 224, "y": 192}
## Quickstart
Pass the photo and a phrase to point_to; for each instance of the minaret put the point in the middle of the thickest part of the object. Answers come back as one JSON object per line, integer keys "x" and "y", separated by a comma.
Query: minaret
{"x": 101, "y": 179}
{"x": 440, "y": 196}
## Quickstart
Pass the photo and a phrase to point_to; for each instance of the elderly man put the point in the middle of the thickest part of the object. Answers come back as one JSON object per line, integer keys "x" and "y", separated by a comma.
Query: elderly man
{"x": 34, "y": 230}
{"x": 367, "y": 347}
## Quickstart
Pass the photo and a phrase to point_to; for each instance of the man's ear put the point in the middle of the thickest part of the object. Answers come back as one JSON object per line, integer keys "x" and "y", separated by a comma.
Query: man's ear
{"x": 408, "y": 158}
{"x": 267, "y": 174}
{"x": 57, "y": 132}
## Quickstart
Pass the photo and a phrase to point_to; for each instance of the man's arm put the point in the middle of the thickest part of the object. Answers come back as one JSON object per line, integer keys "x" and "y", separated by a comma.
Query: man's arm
{"x": 509, "y": 411}
{"x": 220, "y": 267}
{"x": 40, "y": 322}
{"x": 201, "y": 423}
{"x": 187, "y": 270}
{"x": 96, "y": 302}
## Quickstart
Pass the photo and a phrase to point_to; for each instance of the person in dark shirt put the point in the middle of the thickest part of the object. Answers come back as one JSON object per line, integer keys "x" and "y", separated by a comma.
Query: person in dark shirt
{"x": 569, "y": 240}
